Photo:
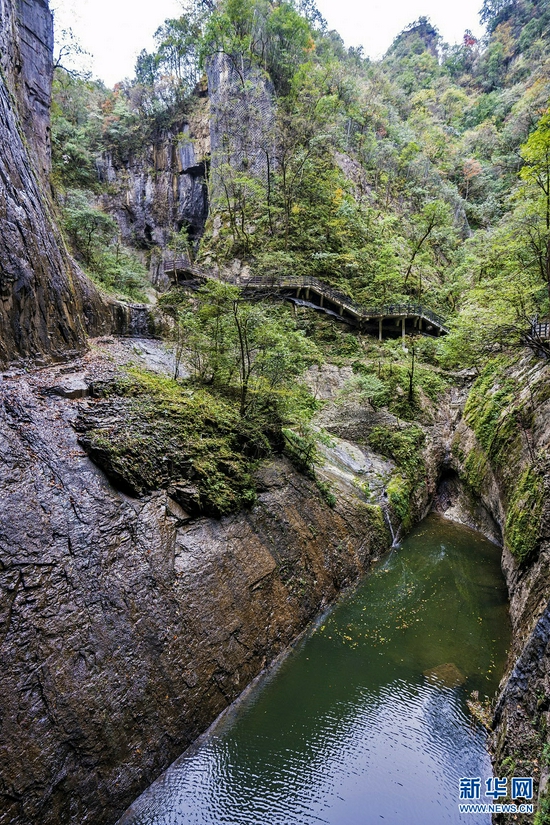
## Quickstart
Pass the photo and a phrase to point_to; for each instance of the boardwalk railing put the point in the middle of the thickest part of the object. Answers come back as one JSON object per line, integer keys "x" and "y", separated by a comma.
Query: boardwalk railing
{"x": 342, "y": 300}
{"x": 541, "y": 329}
{"x": 305, "y": 284}
{"x": 184, "y": 265}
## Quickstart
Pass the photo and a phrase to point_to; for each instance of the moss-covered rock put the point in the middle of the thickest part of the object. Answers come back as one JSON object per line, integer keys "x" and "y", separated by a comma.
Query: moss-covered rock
{"x": 148, "y": 432}
{"x": 523, "y": 523}
{"x": 404, "y": 447}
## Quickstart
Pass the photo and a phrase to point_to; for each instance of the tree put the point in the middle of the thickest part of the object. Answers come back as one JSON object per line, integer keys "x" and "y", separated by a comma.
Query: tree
{"x": 536, "y": 174}
{"x": 88, "y": 227}
{"x": 493, "y": 11}
{"x": 69, "y": 55}
{"x": 242, "y": 348}
{"x": 177, "y": 52}
{"x": 434, "y": 215}
{"x": 501, "y": 292}
{"x": 470, "y": 170}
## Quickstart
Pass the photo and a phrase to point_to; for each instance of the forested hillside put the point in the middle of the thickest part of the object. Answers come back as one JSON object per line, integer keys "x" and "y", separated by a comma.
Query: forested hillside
{"x": 420, "y": 177}
{"x": 253, "y": 143}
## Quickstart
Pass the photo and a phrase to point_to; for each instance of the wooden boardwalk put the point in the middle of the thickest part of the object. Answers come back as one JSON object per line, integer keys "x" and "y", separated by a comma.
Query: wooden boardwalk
{"x": 391, "y": 319}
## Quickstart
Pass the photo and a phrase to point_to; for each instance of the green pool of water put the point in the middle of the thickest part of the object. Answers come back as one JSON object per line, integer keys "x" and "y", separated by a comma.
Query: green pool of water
{"x": 365, "y": 721}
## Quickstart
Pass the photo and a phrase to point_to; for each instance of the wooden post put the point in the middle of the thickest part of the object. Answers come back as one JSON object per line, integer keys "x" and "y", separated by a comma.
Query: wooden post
{"x": 420, "y": 323}
{"x": 403, "y": 329}
{"x": 341, "y": 310}
{"x": 380, "y": 328}
{"x": 307, "y": 293}
{"x": 321, "y": 299}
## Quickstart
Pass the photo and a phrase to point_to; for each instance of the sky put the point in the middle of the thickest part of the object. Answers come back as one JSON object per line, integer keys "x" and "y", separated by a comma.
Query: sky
{"x": 115, "y": 31}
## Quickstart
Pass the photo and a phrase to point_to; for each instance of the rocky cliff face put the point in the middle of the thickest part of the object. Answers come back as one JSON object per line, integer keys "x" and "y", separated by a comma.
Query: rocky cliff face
{"x": 242, "y": 126}
{"x": 500, "y": 450}
{"x": 124, "y": 628}
{"x": 45, "y": 302}
{"x": 26, "y": 57}
{"x": 162, "y": 190}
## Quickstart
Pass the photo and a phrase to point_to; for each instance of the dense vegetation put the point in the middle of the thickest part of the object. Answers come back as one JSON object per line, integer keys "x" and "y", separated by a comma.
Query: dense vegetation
{"x": 423, "y": 177}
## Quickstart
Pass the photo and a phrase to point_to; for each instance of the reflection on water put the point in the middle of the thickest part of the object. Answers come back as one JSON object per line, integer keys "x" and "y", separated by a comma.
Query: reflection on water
{"x": 366, "y": 719}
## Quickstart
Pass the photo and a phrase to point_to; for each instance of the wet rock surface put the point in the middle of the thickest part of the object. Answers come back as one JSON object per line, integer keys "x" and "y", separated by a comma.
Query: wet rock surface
{"x": 126, "y": 627}
{"x": 523, "y": 705}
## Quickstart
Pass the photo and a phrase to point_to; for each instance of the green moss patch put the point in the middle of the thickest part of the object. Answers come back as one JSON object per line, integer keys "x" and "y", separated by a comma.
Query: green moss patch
{"x": 149, "y": 433}
{"x": 489, "y": 412}
{"x": 522, "y": 530}
{"x": 404, "y": 446}
{"x": 475, "y": 467}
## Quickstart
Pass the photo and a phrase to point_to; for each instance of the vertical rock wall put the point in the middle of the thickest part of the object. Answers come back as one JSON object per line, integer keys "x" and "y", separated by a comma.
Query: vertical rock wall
{"x": 522, "y": 716}
{"x": 27, "y": 61}
{"x": 161, "y": 190}
{"x": 45, "y": 302}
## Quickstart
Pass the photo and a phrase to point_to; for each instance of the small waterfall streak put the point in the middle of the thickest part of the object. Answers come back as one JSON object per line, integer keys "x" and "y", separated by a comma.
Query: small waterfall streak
{"x": 387, "y": 518}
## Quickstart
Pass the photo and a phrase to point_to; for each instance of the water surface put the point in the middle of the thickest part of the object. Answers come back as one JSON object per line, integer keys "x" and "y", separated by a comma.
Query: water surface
{"x": 366, "y": 720}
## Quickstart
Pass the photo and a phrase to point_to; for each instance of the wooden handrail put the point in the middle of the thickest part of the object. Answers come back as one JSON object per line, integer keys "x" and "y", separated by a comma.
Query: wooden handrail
{"x": 298, "y": 282}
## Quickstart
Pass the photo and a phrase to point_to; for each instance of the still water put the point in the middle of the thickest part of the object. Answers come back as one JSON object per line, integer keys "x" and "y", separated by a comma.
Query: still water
{"x": 366, "y": 720}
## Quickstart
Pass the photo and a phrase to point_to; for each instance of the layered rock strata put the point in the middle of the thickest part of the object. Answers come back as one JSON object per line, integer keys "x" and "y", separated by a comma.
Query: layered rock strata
{"x": 46, "y": 304}
{"x": 124, "y": 628}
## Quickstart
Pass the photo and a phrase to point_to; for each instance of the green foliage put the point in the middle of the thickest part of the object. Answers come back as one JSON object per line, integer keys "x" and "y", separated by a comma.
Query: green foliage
{"x": 88, "y": 227}
{"x": 542, "y": 816}
{"x": 404, "y": 446}
{"x": 363, "y": 388}
{"x": 272, "y": 35}
{"x": 300, "y": 447}
{"x": 545, "y": 755}
{"x": 177, "y": 54}
{"x": 326, "y": 492}
{"x": 372, "y": 175}
{"x": 388, "y": 384}
{"x": 93, "y": 237}
{"x": 252, "y": 355}
{"x": 75, "y": 134}
{"x": 243, "y": 348}
{"x": 503, "y": 286}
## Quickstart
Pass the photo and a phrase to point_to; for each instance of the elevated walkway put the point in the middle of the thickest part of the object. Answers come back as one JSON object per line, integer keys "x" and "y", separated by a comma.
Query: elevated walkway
{"x": 390, "y": 319}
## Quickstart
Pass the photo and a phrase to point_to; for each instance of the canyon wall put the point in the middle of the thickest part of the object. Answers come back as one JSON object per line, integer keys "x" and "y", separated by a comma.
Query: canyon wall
{"x": 160, "y": 190}
{"x": 46, "y": 304}
{"x": 124, "y": 628}
{"x": 501, "y": 452}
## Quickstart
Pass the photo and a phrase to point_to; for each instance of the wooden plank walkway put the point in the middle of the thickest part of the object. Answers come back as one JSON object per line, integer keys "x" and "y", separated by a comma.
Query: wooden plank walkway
{"x": 391, "y": 318}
